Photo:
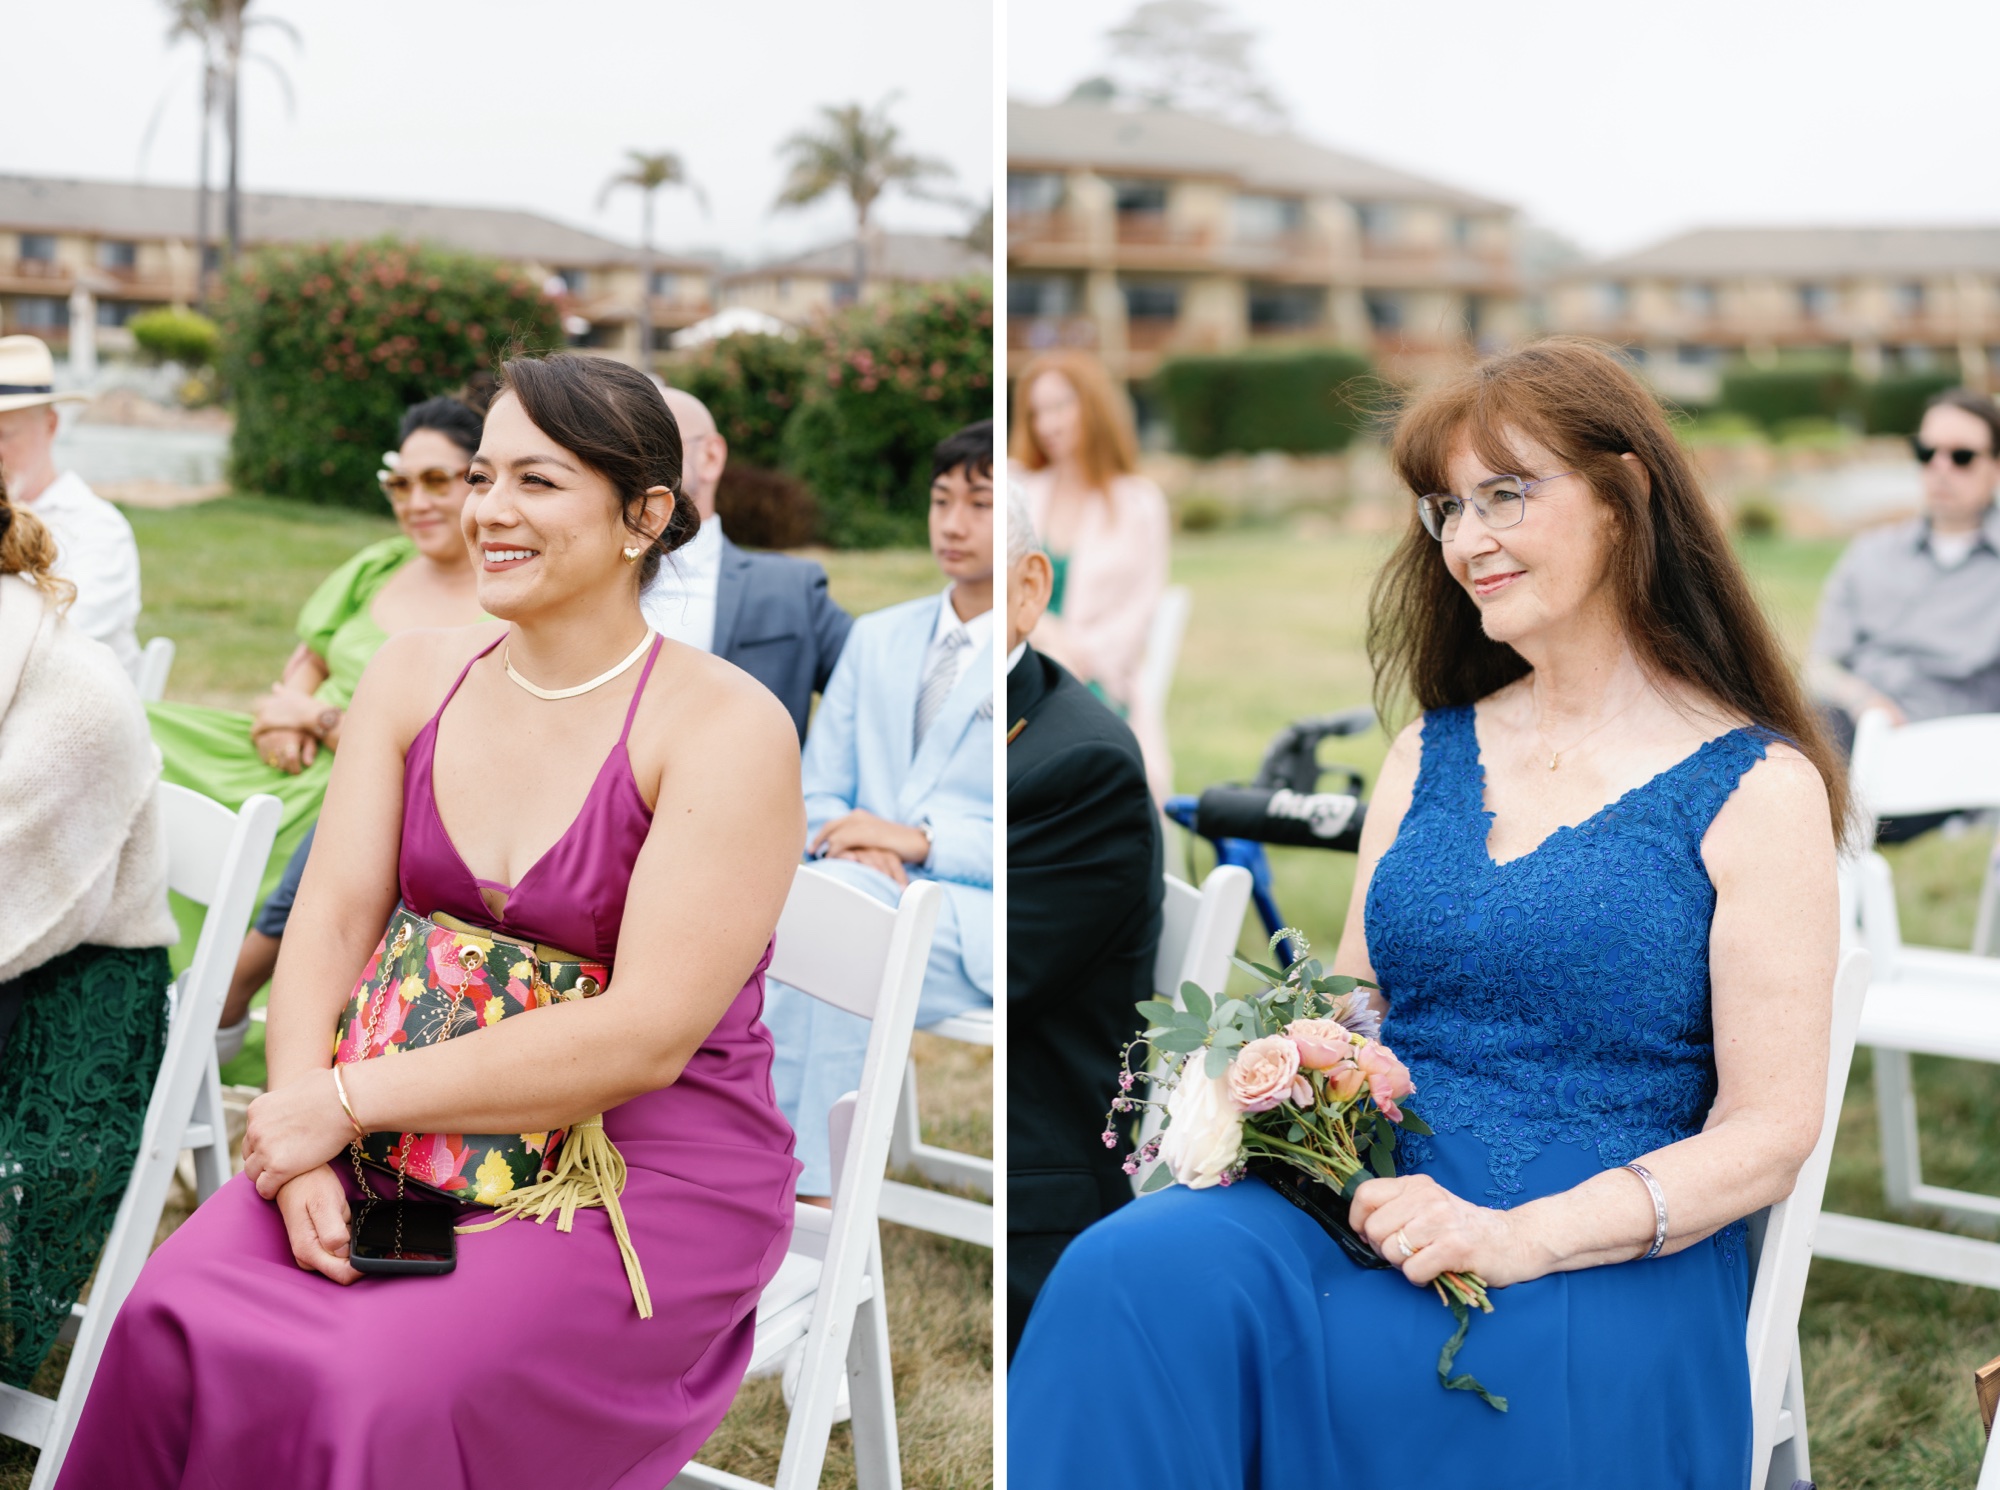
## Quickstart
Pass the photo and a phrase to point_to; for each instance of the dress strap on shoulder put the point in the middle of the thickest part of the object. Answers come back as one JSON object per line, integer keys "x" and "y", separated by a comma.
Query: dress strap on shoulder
{"x": 1710, "y": 776}
{"x": 632, "y": 709}
{"x": 1448, "y": 770}
{"x": 456, "y": 683}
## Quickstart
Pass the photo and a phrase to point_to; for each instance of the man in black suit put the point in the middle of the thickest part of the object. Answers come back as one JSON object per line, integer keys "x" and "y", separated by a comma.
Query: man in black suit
{"x": 770, "y": 614}
{"x": 1083, "y": 923}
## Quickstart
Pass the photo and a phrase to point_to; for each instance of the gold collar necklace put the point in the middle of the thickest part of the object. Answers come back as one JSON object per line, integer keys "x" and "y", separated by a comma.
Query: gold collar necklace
{"x": 599, "y": 681}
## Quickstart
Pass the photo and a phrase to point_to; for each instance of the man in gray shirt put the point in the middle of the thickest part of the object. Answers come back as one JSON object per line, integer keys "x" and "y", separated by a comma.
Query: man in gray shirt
{"x": 1909, "y": 622}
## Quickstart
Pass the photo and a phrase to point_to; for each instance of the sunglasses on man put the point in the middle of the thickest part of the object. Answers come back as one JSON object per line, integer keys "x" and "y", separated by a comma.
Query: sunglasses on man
{"x": 1960, "y": 456}
{"x": 436, "y": 480}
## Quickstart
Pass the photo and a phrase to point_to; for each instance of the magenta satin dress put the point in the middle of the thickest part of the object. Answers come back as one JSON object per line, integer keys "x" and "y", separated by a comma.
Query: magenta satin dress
{"x": 230, "y": 1368}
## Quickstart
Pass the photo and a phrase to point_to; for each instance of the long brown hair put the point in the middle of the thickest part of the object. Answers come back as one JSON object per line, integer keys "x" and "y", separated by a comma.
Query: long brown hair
{"x": 1109, "y": 447}
{"x": 27, "y": 549}
{"x": 1683, "y": 599}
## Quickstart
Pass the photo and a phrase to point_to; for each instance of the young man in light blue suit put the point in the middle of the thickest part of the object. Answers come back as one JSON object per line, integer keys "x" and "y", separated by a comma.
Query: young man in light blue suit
{"x": 898, "y": 773}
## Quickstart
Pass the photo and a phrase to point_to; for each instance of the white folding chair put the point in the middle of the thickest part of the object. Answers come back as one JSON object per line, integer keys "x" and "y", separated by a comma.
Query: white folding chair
{"x": 1921, "y": 1000}
{"x": 156, "y": 663}
{"x": 932, "y": 1210}
{"x": 1162, "y": 656}
{"x": 844, "y": 947}
{"x": 1989, "y": 1467}
{"x": 1199, "y": 930}
{"x": 1781, "y": 1252}
{"x": 216, "y": 858}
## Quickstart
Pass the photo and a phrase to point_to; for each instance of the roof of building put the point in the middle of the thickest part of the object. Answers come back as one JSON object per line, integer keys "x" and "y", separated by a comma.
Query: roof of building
{"x": 1807, "y": 252}
{"x": 124, "y": 209}
{"x": 1150, "y": 141}
{"x": 917, "y": 258}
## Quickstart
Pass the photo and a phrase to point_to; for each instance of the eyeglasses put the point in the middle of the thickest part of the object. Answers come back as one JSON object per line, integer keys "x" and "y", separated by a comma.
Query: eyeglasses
{"x": 1500, "y": 501}
{"x": 436, "y": 480}
{"x": 1960, "y": 457}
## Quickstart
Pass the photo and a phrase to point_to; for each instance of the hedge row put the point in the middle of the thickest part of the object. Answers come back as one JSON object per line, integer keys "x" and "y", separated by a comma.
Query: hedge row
{"x": 1891, "y": 405}
{"x": 1303, "y": 401}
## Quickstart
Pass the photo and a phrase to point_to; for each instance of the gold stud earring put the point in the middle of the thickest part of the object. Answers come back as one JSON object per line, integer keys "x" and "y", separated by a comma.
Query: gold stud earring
{"x": 632, "y": 554}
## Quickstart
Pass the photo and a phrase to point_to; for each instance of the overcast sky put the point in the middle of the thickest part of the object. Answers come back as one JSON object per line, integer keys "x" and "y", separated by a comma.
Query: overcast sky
{"x": 1618, "y": 123}
{"x": 518, "y": 103}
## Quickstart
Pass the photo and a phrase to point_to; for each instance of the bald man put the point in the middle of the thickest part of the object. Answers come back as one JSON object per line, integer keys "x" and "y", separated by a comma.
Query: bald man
{"x": 770, "y": 614}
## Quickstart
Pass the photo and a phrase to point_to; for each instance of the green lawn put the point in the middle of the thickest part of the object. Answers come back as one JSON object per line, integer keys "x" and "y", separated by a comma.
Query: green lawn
{"x": 225, "y": 580}
{"x": 1277, "y": 633}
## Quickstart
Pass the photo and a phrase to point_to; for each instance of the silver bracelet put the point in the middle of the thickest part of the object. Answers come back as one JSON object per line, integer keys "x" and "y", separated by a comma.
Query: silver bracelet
{"x": 1659, "y": 1207}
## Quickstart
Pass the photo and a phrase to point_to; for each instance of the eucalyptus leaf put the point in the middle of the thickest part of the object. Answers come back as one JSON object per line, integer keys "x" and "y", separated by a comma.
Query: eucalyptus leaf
{"x": 1159, "y": 1179}
{"x": 1183, "y": 1020}
{"x": 1258, "y": 970}
{"x": 1197, "y": 1000}
{"x": 1181, "y": 1041}
{"x": 1160, "y": 1013}
{"x": 1232, "y": 1009}
{"x": 1382, "y": 1159}
{"x": 1414, "y": 1124}
{"x": 1295, "y": 1134}
{"x": 1228, "y": 1037}
{"x": 1218, "y": 1061}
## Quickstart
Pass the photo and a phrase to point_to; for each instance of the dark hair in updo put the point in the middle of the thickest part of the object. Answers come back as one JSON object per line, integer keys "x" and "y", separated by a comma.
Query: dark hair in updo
{"x": 448, "y": 417}
{"x": 613, "y": 419}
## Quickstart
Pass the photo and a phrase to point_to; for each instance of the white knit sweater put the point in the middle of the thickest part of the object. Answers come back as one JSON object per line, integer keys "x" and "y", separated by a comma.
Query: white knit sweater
{"x": 83, "y": 858}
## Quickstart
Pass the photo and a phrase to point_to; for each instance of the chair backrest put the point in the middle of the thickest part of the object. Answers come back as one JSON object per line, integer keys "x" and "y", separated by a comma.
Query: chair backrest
{"x": 216, "y": 858}
{"x": 1781, "y": 1237}
{"x": 846, "y": 948}
{"x": 1199, "y": 930}
{"x": 156, "y": 665}
{"x": 1935, "y": 766}
{"x": 1163, "y": 646}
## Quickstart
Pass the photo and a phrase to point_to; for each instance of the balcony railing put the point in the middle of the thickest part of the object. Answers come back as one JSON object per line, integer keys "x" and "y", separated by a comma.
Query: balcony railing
{"x": 1046, "y": 333}
{"x": 49, "y": 269}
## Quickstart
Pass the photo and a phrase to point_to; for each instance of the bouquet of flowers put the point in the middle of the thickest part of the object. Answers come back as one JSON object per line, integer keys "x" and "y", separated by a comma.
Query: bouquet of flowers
{"x": 1292, "y": 1081}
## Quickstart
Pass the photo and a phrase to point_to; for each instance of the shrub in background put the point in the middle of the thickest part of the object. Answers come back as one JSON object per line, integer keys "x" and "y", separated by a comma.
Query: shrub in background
{"x": 1778, "y": 395}
{"x": 1894, "y": 405}
{"x": 763, "y": 508}
{"x": 324, "y": 346}
{"x": 751, "y": 385}
{"x": 1304, "y": 401}
{"x": 890, "y": 380}
{"x": 174, "y": 333}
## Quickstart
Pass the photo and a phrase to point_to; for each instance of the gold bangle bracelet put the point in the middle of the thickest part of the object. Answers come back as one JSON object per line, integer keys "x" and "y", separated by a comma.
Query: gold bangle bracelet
{"x": 347, "y": 1107}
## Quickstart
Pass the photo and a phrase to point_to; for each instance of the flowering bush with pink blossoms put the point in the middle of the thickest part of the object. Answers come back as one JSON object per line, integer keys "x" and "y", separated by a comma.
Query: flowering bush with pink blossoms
{"x": 1293, "y": 1076}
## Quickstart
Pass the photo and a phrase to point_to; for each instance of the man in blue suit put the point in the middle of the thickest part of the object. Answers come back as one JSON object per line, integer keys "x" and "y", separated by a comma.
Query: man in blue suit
{"x": 770, "y": 614}
{"x": 898, "y": 775}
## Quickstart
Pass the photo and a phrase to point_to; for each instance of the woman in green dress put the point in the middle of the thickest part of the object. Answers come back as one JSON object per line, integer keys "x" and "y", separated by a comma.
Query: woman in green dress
{"x": 421, "y": 578}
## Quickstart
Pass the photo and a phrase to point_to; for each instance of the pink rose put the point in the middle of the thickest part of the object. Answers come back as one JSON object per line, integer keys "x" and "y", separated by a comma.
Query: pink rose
{"x": 1261, "y": 1075}
{"x": 1323, "y": 1043}
{"x": 1388, "y": 1078}
{"x": 1345, "y": 1081}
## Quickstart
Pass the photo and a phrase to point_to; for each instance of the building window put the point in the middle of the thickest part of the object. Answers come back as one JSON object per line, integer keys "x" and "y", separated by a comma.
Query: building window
{"x": 41, "y": 312}
{"x": 1694, "y": 354}
{"x": 1152, "y": 302}
{"x": 1379, "y": 223}
{"x": 666, "y": 284}
{"x": 1038, "y": 295}
{"x": 573, "y": 280}
{"x": 1032, "y": 192}
{"x": 1462, "y": 230}
{"x": 1614, "y": 300}
{"x": 211, "y": 258}
{"x": 1147, "y": 198}
{"x": 116, "y": 312}
{"x": 1263, "y": 219}
{"x": 1699, "y": 301}
{"x": 1910, "y": 300}
{"x": 117, "y": 254}
{"x": 1814, "y": 301}
{"x": 1385, "y": 309}
{"x": 40, "y": 247}
{"x": 1285, "y": 307}
{"x": 845, "y": 292}
{"x": 784, "y": 288}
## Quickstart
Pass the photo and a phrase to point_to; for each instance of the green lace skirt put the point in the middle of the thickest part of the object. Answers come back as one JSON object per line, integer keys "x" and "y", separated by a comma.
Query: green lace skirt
{"x": 75, "y": 1078}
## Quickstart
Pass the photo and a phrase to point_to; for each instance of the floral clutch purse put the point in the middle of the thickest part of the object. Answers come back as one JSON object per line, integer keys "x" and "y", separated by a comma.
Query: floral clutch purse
{"x": 433, "y": 979}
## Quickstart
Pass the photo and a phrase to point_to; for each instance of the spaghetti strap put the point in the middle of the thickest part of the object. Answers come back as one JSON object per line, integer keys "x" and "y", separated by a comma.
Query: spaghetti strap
{"x": 452, "y": 692}
{"x": 632, "y": 709}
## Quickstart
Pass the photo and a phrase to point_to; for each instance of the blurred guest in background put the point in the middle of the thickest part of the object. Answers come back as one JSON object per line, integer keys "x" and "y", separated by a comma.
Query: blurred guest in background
{"x": 898, "y": 775}
{"x": 83, "y": 933}
{"x": 94, "y": 547}
{"x": 1106, "y": 530}
{"x": 1909, "y": 622}
{"x": 421, "y": 578}
{"x": 1083, "y": 925}
{"x": 770, "y": 614}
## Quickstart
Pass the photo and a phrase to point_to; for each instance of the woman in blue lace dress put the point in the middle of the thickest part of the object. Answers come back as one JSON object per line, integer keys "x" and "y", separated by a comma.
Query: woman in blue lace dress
{"x": 1597, "y": 891}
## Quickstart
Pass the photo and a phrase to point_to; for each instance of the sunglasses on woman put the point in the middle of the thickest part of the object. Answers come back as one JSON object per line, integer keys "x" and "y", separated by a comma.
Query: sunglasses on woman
{"x": 436, "y": 480}
{"x": 1500, "y": 501}
{"x": 1960, "y": 457}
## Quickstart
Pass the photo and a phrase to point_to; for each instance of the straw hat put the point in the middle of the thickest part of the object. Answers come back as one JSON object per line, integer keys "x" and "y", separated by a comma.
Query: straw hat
{"x": 28, "y": 375}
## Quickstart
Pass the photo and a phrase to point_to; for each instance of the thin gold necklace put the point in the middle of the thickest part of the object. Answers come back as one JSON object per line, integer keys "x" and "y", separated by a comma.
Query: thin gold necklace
{"x": 1555, "y": 755}
{"x": 507, "y": 661}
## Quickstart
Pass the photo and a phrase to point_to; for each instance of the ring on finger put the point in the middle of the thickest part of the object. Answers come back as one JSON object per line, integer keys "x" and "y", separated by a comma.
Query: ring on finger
{"x": 1402, "y": 1240}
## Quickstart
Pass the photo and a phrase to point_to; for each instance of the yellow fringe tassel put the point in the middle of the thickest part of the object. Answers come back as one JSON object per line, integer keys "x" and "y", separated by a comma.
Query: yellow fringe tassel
{"x": 589, "y": 1172}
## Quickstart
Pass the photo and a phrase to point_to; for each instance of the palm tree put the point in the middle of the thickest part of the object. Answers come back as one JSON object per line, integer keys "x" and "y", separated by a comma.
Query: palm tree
{"x": 648, "y": 173}
{"x": 221, "y": 28}
{"x": 196, "y": 21}
{"x": 855, "y": 150}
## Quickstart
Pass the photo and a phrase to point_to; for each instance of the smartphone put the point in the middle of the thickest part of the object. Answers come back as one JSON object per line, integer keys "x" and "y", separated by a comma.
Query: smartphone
{"x": 425, "y": 1243}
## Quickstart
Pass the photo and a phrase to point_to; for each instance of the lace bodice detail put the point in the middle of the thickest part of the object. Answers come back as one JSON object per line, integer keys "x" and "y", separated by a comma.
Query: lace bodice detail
{"x": 1562, "y": 996}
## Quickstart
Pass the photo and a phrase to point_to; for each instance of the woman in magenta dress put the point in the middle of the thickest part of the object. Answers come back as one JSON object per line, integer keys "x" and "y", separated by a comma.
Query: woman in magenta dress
{"x": 647, "y": 815}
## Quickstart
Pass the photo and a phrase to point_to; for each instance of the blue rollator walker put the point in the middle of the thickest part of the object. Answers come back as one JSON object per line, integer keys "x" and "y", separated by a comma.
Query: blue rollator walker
{"x": 1284, "y": 805}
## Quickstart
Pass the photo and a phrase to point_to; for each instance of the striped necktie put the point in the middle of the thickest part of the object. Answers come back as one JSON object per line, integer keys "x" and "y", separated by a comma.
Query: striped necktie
{"x": 940, "y": 677}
